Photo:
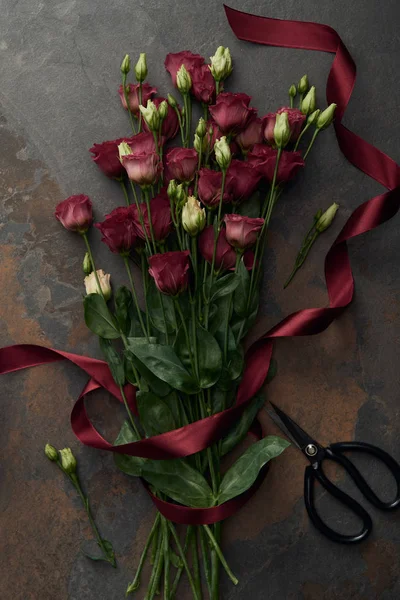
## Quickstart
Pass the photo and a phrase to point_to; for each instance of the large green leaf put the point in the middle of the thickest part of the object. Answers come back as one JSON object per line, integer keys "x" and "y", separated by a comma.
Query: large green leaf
{"x": 159, "y": 387}
{"x": 123, "y": 304}
{"x": 209, "y": 356}
{"x": 131, "y": 465}
{"x": 242, "y": 291}
{"x": 241, "y": 427}
{"x": 224, "y": 286}
{"x": 114, "y": 361}
{"x": 179, "y": 481}
{"x": 155, "y": 303}
{"x": 164, "y": 363}
{"x": 155, "y": 415}
{"x": 98, "y": 318}
{"x": 244, "y": 471}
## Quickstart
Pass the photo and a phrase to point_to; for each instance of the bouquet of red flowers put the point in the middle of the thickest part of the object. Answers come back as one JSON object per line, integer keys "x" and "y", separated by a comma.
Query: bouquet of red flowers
{"x": 194, "y": 223}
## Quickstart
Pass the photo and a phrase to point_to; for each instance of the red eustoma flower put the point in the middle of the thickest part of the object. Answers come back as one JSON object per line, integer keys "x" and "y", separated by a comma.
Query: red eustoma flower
{"x": 106, "y": 157}
{"x": 170, "y": 271}
{"x": 232, "y": 113}
{"x": 242, "y": 179}
{"x": 119, "y": 230}
{"x": 241, "y": 231}
{"x": 161, "y": 219}
{"x": 296, "y": 120}
{"x": 75, "y": 213}
{"x": 148, "y": 92}
{"x": 170, "y": 124}
{"x": 203, "y": 84}
{"x": 174, "y": 61}
{"x": 209, "y": 188}
{"x": 144, "y": 168}
{"x": 264, "y": 157}
{"x": 181, "y": 164}
{"x": 253, "y": 134}
{"x": 225, "y": 256}
{"x": 142, "y": 143}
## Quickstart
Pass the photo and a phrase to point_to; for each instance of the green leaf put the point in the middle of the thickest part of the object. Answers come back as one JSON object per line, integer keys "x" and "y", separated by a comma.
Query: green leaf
{"x": 123, "y": 304}
{"x": 209, "y": 355}
{"x": 131, "y": 465}
{"x": 242, "y": 291}
{"x": 155, "y": 303}
{"x": 175, "y": 559}
{"x": 165, "y": 364}
{"x": 224, "y": 286}
{"x": 114, "y": 361}
{"x": 160, "y": 388}
{"x": 235, "y": 354}
{"x": 108, "y": 553}
{"x": 241, "y": 427}
{"x": 244, "y": 471}
{"x": 250, "y": 207}
{"x": 98, "y": 318}
{"x": 155, "y": 415}
{"x": 179, "y": 481}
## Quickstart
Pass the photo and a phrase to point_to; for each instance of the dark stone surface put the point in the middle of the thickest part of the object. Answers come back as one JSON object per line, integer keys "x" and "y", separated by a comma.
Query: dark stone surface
{"x": 59, "y": 71}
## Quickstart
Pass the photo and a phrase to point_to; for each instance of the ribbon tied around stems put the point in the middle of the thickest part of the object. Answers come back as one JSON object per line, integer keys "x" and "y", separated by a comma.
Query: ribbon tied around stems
{"x": 199, "y": 435}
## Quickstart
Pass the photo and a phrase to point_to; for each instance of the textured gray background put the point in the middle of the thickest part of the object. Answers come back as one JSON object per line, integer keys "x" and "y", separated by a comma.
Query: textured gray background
{"x": 59, "y": 71}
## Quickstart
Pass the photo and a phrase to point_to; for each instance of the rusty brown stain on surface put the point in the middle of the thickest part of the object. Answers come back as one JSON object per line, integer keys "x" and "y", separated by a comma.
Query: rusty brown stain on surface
{"x": 381, "y": 557}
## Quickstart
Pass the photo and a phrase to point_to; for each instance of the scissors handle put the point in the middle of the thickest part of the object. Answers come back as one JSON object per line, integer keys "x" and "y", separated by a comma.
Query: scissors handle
{"x": 363, "y": 486}
{"x": 316, "y": 473}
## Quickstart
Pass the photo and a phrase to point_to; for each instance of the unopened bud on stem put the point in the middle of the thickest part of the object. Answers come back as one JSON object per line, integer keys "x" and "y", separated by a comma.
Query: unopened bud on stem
{"x": 309, "y": 102}
{"x": 126, "y": 65}
{"x": 201, "y": 128}
{"x": 221, "y": 64}
{"x": 303, "y": 85}
{"x": 150, "y": 115}
{"x": 171, "y": 101}
{"x": 326, "y": 218}
{"x": 312, "y": 119}
{"x": 223, "y": 153}
{"x": 326, "y": 117}
{"x": 68, "y": 461}
{"x": 51, "y": 452}
{"x": 183, "y": 80}
{"x": 141, "y": 68}
{"x": 193, "y": 217}
{"x": 282, "y": 131}
{"x": 87, "y": 264}
{"x": 163, "y": 110}
{"x": 292, "y": 91}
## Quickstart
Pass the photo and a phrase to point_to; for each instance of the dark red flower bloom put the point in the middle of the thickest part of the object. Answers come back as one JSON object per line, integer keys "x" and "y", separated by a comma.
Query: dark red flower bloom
{"x": 253, "y": 134}
{"x": 203, "y": 84}
{"x": 209, "y": 188}
{"x": 143, "y": 169}
{"x": 181, "y": 164}
{"x": 241, "y": 231}
{"x": 161, "y": 219}
{"x": 119, "y": 230}
{"x": 242, "y": 179}
{"x": 170, "y": 125}
{"x": 148, "y": 92}
{"x": 225, "y": 257}
{"x": 264, "y": 157}
{"x": 75, "y": 213}
{"x": 232, "y": 113}
{"x": 106, "y": 157}
{"x": 170, "y": 271}
{"x": 296, "y": 120}
{"x": 142, "y": 143}
{"x": 174, "y": 61}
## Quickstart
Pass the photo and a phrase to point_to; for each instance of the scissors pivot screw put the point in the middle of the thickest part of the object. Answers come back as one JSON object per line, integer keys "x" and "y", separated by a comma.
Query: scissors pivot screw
{"x": 311, "y": 450}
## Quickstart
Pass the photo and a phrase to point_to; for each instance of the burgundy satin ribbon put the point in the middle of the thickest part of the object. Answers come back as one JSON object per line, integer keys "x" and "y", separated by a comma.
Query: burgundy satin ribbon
{"x": 339, "y": 279}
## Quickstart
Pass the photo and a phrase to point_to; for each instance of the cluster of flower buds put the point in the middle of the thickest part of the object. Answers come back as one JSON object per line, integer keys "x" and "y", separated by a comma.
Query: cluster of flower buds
{"x": 140, "y": 67}
{"x": 193, "y": 217}
{"x": 221, "y": 64}
{"x": 200, "y": 142}
{"x": 64, "y": 458}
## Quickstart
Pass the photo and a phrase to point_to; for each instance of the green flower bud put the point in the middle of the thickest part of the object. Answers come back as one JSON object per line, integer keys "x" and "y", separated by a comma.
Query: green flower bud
{"x": 171, "y": 101}
{"x": 326, "y": 218}
{"x": 183, "y": 80}
{"x": 150, "y": 115}
{"x": 326, "y": 117}
{"x": 309, "y": 102}
{"x": 312, "y": 119}
{"x": 223, "y": 153}
{"x": 51, "y": 452}
{"x": 193, "y": 217}
{"x": 91, "y": 286}
{"x": 317, "y": 215}
{"x": 221, "y": 64}
{"x": 171, "y": 190}
{"x": 124, "y": 150}
{"x": 68, "y": 461}
{"x": 126, "y": 65}
{"x": 303, "y": 85}
{"x": 163, "y": 110}
{"x": 201, "y": 128}
{"x": 292, "y": 91}
{"x": 180, "y": 195}
{"x": 200, "y": 144}
{"x": 87, "y": 264}
{"x": 282, "y": 131}
{"x": 141, "y": 68}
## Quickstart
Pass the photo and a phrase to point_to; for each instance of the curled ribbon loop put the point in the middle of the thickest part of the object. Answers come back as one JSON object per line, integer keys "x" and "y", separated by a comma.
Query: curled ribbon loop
{"x": 339, "y": 279}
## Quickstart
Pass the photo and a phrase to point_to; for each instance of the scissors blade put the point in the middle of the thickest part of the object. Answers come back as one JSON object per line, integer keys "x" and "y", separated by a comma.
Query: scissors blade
{"x": 294, "y": 432}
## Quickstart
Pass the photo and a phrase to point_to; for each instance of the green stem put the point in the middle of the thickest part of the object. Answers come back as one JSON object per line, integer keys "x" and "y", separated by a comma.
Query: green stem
{"x": 204, "y": 553}
{"x": 125, "y": 191}
{"x": 135, "y": 429}
{"x": 147, "y": 199}
{"x": 196, "y": 567}
{"x": 316, "y": 132}
{"x": 140, "y": 215}
{"x": 198, "y": 169}
{"x": 127, "y": 104}
{"x": 301, "y": 135}
{"x": 205, "y": 112}
{"x": 183, "y": 558}
{"x": 145, "y": 278}
{"x": 136, "y": 581}
{"x": 166, "y": 558}
{"x": 156, "y": 572}
{"x": 291, "y": 101}
{"x": 140, "y": 102}
{"x": 135, "y": 298}
{"x": 221, "y": 557}
{"x": 178, "y": 114}
{"x": 189, "y": 533}
{"x": 84, "y": 235}
{"x": 217, "y": 88}
{"x": 301, "y": 257}
{"x": 185, "y": 331}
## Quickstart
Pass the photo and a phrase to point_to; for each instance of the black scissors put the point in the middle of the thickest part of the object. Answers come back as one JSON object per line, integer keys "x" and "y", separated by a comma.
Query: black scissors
{"x": 316, "y": 454}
